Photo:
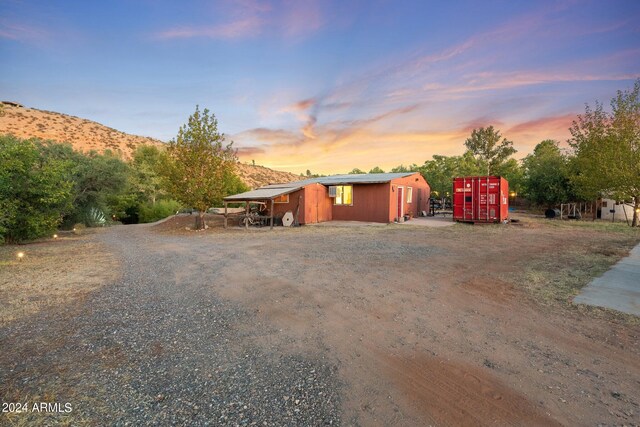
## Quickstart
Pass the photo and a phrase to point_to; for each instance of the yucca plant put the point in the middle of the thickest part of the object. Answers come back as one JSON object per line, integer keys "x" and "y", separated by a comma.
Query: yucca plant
{"x": 94, "y": 217}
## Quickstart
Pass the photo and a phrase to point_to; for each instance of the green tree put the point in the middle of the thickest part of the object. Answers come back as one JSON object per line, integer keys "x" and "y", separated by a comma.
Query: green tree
{"x": 547, "y": 175}
{"x": 356, "y": 171}
{"x": 513, "y": 172}
{"x": 487, "y": 147}
{"x": 403, "y": 168}
{"x": 34, "y": 191}
{"x": 101, "y": 182}
{"x": 146, "y": 178}
{"x": 440, "y": 171}
{"x": 199, "y": 168}
{"x": 376, "y": 169}
{"x": 607, "y": 150}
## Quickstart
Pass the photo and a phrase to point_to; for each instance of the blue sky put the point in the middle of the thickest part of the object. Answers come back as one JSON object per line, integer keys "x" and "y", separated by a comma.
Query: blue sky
{"x": 322, "y": 85}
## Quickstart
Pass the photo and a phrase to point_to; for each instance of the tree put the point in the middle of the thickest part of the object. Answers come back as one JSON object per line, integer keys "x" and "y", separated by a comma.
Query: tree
{"x": 146, "y": 178}
{"x": 403, "y": 168}
{"x": 376, "y": 170}
{"x": 356, "y": 171}
{"x": 513, "y": 172}
{"x": 440, "y": 171}
{"x": 607, "y": 150}
{"x": 34, "y": 191}
{"x": 487, "y": 148}
{"x": 547, "y": 175}
{"x": 199, "y": 168}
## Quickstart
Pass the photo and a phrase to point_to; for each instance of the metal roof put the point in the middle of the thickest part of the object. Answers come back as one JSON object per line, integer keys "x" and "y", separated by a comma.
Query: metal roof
{"x": 263, "y": 193}
{"x": 272, "y": 191}
{"x": 364, "y": 178}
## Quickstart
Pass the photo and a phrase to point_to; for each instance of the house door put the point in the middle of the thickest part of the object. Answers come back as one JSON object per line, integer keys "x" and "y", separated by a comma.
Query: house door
{"x": 400, "y": 202}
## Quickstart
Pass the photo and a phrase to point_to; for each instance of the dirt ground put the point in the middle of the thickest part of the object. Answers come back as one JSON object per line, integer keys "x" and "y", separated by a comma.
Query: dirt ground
{"x": 463, "y": 325}
{"x": 51, "y": 273}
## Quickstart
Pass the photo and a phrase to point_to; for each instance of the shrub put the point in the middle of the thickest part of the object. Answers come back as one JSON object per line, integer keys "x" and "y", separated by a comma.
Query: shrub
{"x": 34, "y": 191}
{"x": 149, "y": 212}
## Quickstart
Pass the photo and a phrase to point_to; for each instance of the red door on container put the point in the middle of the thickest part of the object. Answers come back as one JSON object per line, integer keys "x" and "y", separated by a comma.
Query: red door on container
{"x": 400, "y": 201}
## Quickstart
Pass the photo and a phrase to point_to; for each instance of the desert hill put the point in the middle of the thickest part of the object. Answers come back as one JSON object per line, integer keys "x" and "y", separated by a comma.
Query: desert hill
{"x": 86, "y": 135}
{"x": 83, "y": 134}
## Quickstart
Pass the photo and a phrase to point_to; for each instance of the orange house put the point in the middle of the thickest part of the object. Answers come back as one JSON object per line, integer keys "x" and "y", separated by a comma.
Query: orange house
{"x": 380, "y": 197}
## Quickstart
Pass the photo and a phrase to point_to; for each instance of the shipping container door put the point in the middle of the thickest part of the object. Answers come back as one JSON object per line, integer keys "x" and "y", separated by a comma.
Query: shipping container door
{"x": 488, "y": 191}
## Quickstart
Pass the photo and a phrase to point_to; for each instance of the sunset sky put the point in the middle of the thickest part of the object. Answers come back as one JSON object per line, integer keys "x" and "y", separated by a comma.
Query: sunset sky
{"x": 323, "y": 85}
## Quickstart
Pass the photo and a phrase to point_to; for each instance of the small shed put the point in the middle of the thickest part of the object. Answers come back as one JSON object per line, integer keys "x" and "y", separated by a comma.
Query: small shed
{"x": 613, "y": 210}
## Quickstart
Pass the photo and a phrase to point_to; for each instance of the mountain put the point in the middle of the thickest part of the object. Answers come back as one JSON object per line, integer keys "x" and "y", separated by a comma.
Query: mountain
{"x": 86, "y": 135}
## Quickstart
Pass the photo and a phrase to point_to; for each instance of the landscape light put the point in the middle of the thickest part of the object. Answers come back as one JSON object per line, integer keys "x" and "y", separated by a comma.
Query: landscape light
{"x": 55, "y": 236}
{"x": 20, "y": 255}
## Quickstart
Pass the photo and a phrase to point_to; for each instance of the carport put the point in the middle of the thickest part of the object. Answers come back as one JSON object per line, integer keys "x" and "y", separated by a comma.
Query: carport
{"x": 267, "y": 195}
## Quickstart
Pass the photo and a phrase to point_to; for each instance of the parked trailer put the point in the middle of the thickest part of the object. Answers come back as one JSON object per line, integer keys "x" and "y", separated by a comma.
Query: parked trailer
{"x": 480, "y": 199}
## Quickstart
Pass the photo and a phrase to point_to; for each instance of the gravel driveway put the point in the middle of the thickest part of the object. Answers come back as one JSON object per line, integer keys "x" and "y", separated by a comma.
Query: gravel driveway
{"x": 158, "y": 347}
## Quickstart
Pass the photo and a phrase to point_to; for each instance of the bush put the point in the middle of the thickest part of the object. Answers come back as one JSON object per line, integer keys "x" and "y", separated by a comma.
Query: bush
{"x": 34, "y": 191}
{"x": 149, "y": 212}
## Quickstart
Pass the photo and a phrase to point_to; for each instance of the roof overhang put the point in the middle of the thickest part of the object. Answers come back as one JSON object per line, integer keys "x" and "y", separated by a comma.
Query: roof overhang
{"x": 261, "y": 194}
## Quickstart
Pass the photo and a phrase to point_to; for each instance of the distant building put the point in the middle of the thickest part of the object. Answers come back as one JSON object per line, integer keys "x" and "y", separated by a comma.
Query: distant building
{"x": 612, "y": 210}
{"x": 12, "y": 104}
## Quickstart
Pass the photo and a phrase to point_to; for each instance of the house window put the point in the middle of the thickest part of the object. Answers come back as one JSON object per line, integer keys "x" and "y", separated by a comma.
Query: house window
{"x": 604, "y": 204}
{"x": 282, "y": 199}
{"x": 344, "y": 195}
{"x": 409, "y": 194}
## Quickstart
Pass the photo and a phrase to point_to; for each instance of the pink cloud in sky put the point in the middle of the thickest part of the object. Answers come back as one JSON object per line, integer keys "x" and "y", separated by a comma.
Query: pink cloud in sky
{"x": 549, "y": 124}
{"x": 246, "y": 27}
{"x": 22, "y": 32}
{"x": 249, "y": 19}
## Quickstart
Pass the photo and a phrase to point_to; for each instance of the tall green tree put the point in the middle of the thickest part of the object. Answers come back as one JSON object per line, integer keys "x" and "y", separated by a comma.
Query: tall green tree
{"x": 607, "y": 150}
{"x": 547, "y": 180}
{"x": 489, "y": 148}
{"x": 199, "y": 167}
{"x": 34, "y": 190}
{"x": 356, "y": 171}
{"x": 376, "y": 169}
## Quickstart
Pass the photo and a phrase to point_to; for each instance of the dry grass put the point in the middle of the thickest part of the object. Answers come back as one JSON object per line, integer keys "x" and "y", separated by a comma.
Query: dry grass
{"x": 53, "y": 272}
{"x": 555, "y": 276}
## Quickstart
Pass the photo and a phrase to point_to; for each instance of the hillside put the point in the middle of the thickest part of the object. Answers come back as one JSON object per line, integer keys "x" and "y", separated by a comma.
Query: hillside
{"x": 83, "y": 134}
{"x": 86, "y": 135}
{"x": 257, "y": 176}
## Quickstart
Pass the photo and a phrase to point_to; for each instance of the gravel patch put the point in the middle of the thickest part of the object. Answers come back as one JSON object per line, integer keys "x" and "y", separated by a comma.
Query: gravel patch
{"x": 160, "y": 348}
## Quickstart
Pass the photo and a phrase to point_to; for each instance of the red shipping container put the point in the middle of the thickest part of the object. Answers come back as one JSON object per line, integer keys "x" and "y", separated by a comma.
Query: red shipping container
{"x": 481, "y": 199}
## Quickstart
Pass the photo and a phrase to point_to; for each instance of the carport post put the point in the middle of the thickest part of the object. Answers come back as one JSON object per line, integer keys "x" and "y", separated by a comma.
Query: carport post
{"x": 225, "y": 214}
{"x": 271, "y": 212}
{"x": 246, "y": 218}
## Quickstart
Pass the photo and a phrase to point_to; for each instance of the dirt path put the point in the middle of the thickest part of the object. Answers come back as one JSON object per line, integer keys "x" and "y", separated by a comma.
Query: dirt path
{"x": 400, "y": 325}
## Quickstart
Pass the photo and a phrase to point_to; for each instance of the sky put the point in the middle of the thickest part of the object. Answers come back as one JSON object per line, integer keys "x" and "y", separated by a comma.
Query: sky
{"x": 325, "y": 86}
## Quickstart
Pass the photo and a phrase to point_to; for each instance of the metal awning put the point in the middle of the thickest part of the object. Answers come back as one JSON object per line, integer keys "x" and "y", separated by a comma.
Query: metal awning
{"x": 264, "y": 193}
